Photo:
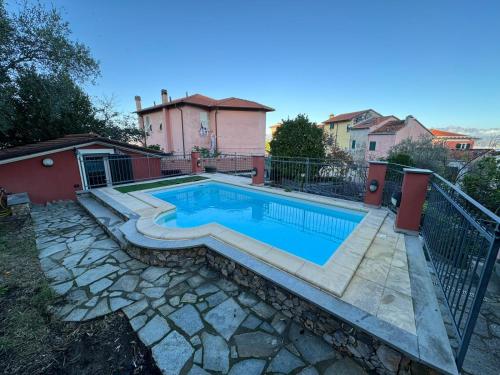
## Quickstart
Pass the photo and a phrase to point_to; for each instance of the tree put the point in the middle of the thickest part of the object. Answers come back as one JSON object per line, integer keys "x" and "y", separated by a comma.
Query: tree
{"x": 116, "y": 125}
{"x": 154, "y": 147}
{"x": 421, "y": 153}
{"x": 38, "y": 39}
{"x": 482, "y": 183}
{"x": 298, "y": 138}
{"x": 400, "y": 158}
{"x": 36, "y": 55}
{"x": 47, "y": 107}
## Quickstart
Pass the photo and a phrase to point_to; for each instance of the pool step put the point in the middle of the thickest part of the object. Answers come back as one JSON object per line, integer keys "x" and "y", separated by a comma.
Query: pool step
{"x": 107, "y": 200}
{"x": 105, "y": 217}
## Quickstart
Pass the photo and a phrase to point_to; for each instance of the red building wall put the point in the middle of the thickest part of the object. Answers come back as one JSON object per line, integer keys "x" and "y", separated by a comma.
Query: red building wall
{"x": 144, "y": 167}
{"x": 43, "y": 183}
{"x": 62, "y": 180}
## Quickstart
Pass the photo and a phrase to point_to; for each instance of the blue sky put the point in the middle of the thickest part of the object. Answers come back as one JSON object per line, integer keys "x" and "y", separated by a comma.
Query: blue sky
{"x": 436, "y": 60}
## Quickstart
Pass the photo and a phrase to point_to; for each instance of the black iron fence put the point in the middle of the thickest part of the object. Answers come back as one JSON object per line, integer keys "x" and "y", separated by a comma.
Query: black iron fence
{"x": 100, "y": 170}
{"x": 327, "y": 177}
{"x": 462, "y": 239}
{"x": 235, "y": 164}
{"x": 393, "y": 184}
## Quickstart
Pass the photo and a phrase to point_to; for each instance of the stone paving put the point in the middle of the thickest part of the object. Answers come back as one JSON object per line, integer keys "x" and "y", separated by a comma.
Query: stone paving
{"x": 483, "y": 355}
{"x": 194, "y": 321}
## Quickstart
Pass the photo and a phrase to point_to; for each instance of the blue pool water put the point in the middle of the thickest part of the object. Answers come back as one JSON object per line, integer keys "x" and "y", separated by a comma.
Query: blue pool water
{"x": 312, "y": 232}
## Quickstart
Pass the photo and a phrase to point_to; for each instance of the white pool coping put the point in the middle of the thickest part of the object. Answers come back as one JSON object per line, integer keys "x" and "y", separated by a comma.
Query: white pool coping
{"x": 334, "y": 276}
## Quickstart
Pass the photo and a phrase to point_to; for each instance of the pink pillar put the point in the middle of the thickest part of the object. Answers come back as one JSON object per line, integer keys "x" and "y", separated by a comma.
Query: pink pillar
{"x": 196, "y": 163}
{"x": 413, "y": 193}
{"x": 258, "y": 165}
{"x": 376, "y": 172}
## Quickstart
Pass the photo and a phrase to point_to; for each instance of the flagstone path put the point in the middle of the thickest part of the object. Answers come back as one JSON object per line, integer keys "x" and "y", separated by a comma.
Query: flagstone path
{"x": 195, "y": 321}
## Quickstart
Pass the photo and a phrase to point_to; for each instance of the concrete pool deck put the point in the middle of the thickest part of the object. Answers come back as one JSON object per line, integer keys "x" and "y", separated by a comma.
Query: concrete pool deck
{"x": 387, "y": 296}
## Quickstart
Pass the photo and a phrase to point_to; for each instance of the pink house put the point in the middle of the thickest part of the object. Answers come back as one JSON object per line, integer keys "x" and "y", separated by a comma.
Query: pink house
{"x": 392, "y": 133}
{"x": 228, "y": 125}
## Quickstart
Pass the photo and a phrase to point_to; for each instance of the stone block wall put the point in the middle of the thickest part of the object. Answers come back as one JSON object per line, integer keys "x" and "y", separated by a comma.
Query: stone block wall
{"x": 20, "y": 210}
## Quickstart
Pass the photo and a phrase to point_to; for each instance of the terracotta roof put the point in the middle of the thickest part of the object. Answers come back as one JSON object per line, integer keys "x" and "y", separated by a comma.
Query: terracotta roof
{"x": 443, "y": 133}
{"x": 373, "y": 121}
{"x": 392, "y": 127}
{"x": 346, "y": 116}
{"x": 210, "y": 103}
{"x": 67, "y": 141}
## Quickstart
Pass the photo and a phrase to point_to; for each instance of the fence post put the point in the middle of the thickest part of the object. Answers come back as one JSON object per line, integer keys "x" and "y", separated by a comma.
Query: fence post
{"x": 376, "y": 179}
{"x": 258, "y": 165}
{"x": 413, "y": 194}
{"x": 308, "y": 170}
{"x": 235, "y": 166}
{"x": 196, "y": 163}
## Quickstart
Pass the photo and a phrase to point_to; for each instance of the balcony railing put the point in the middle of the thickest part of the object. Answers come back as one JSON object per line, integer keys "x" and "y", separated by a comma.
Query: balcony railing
{"x": 114, "y": 169}
{"x": 462, "y": 239}
{"x": 326, "y": 177}
{"x": 235, "y": 164}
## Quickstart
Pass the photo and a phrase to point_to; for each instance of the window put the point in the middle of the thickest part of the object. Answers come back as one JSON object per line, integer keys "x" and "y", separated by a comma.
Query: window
{"x": 148, "y": 123}
{"x": 353, "y": 144}
{"x": 373, "y": 145}
{"x": 204, "y": 123}
{"x": 462, "y": 146}
{"x": 331, "y": 125}
{"x": 161, "y": 126}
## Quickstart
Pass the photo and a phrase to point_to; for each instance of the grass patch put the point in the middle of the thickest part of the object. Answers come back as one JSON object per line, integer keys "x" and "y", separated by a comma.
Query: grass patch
{"x": 152, "y": 185}
{"x": 25, "y": 297}
{"x": 34, "y": 342}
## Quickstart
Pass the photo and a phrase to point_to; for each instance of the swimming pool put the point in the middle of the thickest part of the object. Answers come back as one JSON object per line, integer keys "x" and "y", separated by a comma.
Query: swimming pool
{"x": 307, "y": 230}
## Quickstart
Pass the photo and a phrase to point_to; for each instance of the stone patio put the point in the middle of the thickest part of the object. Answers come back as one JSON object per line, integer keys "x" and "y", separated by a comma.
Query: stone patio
{"x": 194, "y": 321}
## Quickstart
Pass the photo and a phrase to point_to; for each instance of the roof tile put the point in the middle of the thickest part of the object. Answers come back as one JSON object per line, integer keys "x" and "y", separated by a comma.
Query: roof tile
{"x": 391, "y": 127}
{"x": 345, "y": 116}
{"x": 66, "y": 141}
{"x": 210, "y": 103}
{"x": 373, "y": 122}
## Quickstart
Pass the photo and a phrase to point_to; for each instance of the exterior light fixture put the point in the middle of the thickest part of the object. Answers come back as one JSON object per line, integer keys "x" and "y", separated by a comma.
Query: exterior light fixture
{"x": 396, "y": 199}
{"x": 373, "y": 186}
{"x": 254, "y": 172}
{"x": 48, "y": 162}
{"x": 302, "y": 175}
{"x": 198, "y": 163}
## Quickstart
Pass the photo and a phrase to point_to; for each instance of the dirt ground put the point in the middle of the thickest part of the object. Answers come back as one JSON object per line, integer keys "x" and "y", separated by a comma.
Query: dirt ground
{"x": 32, "y": 341}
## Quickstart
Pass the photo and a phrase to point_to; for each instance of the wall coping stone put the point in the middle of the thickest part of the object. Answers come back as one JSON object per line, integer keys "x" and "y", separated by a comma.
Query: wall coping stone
{"x": 18, "y": 198}
{"x": 417, "y": 171}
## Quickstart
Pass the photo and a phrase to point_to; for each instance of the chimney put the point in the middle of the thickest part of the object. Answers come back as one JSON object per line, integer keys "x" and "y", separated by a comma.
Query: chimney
{"x": 138, "y": 105}
{"x": 332, "y": 115}
{"x": 408, "y": 118}
{"x": 164, "y": 96}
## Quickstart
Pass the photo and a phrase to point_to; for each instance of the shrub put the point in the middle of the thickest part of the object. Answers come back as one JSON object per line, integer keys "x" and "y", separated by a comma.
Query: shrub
{"x": 298, "y": 137}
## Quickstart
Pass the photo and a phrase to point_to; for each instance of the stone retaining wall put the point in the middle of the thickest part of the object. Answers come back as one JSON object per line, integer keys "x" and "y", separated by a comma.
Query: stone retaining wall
{"x": 365, "y": 349}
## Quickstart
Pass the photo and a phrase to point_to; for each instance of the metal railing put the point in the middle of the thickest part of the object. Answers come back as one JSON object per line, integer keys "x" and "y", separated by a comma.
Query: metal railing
{"x": 235, "y": 164}
{"x": 462, "y": 239}
{"x": 393, "y": 184}
{"x": 326, "y": 177}
{"x": 100, "y": 170}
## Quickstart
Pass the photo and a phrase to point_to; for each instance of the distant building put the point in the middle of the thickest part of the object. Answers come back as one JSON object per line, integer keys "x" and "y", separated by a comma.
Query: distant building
{"x": 336, "y": 128}
{"x": 383, "y": 138}
{"x": 454, "y": 141}
{"x": 228, "y": 125}
{"x": 358, "y": 145}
